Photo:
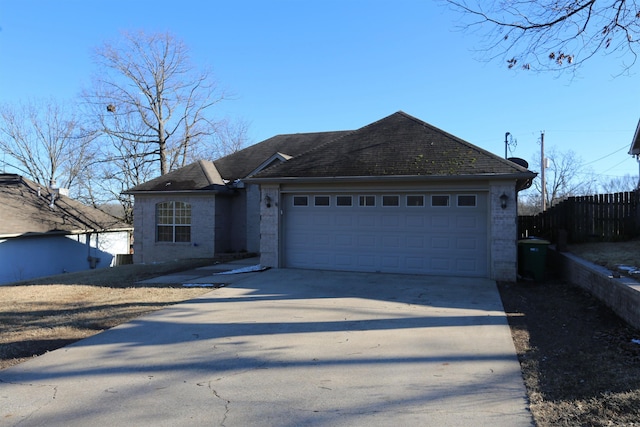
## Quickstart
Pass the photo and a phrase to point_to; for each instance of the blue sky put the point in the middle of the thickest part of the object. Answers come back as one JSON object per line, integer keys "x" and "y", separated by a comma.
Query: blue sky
{"x": 306, "y": 66}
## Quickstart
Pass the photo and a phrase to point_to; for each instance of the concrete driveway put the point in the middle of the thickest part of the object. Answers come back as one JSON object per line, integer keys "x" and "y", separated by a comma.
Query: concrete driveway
{"x": 289, "y": 348}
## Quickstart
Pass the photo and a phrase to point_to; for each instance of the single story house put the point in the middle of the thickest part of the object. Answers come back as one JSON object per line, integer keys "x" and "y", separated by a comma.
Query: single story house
{"x": 398, "y": 195}
{"x": 43, "y": 232}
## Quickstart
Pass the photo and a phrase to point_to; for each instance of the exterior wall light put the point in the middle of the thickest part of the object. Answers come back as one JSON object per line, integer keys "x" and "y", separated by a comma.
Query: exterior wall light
{"x": 267, "y": 201}
{"x": 503, "y": 201}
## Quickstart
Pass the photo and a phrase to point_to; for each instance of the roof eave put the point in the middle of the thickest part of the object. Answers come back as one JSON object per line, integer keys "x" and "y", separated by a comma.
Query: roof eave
{"x": 134, "y": 192}
{"x": 634, "y": 150}
{"x": 64, "y": 232}
{"x": 391, "y": 178}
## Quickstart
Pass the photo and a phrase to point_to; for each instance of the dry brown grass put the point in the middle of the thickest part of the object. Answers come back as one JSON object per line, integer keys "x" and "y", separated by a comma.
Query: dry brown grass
{"x": 44, "y": 314}
{"x": 609, "y": 254}
{"x": 579, "y": 362}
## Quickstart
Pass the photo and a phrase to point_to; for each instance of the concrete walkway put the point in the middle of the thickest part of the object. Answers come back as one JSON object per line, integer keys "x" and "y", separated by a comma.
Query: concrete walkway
{"x": 289, "y": 348}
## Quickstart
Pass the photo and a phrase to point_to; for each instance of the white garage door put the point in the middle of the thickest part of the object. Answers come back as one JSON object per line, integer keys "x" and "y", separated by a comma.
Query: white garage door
{"x": 428, "y": 233}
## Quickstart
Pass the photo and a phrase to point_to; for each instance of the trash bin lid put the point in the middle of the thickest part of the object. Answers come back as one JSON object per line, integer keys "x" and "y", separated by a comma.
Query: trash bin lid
{"x": 534, "y": 241}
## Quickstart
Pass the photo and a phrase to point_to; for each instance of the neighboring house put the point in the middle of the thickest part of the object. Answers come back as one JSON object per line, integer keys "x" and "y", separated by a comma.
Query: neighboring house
{"x": 43, "y": 232}
{"x": 398, "y": 195}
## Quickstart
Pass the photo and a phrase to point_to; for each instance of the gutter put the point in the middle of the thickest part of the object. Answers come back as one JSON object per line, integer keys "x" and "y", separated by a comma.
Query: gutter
{"x": 390, "y": 178}
{"x": 63, "y": 233}
{"x": 133, "y": 193}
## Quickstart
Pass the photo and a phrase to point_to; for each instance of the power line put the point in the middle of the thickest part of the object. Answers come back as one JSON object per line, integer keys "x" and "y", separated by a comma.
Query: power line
{"x": 616, "y": 165}
{"x": 610, "y": 154}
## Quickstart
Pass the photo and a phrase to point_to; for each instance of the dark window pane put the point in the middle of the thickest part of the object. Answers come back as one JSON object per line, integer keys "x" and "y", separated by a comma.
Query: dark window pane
{"x": 343, "y": 201}
{"x": 300, "y": 201}
{"x": 390, "y": 200}
{"x": 439, "y": 200}
{"x": 367, "y": 200}
{"x": 415, "y": 201}
{"x": 321, "y": 200}
{"x": 183, "y": 234}
{"x": 467, "y": 200}
{"x": 165, "y": 233}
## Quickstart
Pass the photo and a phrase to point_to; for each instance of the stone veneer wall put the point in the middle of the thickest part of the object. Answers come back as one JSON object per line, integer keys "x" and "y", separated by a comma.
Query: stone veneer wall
{"x": 503, "y": 233}
{"x": 269, "y": 227}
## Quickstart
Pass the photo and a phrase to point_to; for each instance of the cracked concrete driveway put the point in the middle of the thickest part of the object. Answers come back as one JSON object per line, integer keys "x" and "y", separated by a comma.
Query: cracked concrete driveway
{"x": 289, "y": 348}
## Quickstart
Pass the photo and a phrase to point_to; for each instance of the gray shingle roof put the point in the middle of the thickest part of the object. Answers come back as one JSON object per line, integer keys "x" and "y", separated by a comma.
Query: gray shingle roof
{"x": 198, "y": 176}
{"x": 24, "y": 211}
{"x": 397, "y": 145}
{"x": 241, "y": 163}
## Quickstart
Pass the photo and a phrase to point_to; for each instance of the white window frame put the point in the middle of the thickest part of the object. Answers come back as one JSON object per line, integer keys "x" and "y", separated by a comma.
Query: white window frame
{"x": 315, "y": 201}
{"x": 305, "y": 198}
{"x": 414, "y": 195}
{"x": 350, "y": 198}
{"x": 448, "y": 196}
{"x": 364, "y": 197}
{"x": 475, "y": 200}
{"x": 397, "y": 198}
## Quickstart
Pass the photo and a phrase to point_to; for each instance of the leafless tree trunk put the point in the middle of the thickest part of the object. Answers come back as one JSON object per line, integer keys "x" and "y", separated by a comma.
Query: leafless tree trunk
{"x": 45, "y": 142}
{"x": 148, "y": 82}
{"x": 553, "y": 34}
{"x": 566, "y": 176}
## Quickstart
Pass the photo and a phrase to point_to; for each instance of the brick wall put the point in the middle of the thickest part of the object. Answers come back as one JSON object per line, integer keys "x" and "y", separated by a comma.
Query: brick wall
{"x": 621, "y": 294}
{"x": 503, "y": 231}
{"x": 147, "y": 250}
{"x": 269, "y": 226}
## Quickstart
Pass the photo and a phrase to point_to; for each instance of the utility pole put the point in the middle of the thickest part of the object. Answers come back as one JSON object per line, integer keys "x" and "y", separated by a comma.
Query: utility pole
{"x": 506, "y": 143}
{"x": 542, "y": 166}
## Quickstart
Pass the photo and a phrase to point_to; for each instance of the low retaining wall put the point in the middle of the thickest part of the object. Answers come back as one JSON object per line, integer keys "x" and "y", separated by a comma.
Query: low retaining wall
{"x": 621, "y": 294}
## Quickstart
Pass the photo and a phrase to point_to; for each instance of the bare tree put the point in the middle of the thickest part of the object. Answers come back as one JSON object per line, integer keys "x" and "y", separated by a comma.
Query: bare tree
{"x": 619, "y": 184}
{"x": 230, "y": 136}
{"x": 553, "y": 34}
{"x": 150, "y": 95}
{"x": 45, "y": 141}
{"x": 565, "y": 176}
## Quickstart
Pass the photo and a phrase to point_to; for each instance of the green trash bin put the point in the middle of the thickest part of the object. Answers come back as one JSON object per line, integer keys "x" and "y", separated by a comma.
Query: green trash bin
{"x": 532, "y": 258}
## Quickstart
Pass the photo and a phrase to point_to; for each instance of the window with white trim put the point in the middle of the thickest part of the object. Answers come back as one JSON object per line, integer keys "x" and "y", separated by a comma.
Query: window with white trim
{"x": 173, "y": 222}
{"x": 367, "y": 201}
{"x": 466, "y": 200}
{"x": 344, "y": 201}
{"x": 390, "y": 200}
{"x": 321, "y": 201}
{"x": 300, "y": 201}
{"x": 440, "y": 200}
{"x": 415, "y": 200}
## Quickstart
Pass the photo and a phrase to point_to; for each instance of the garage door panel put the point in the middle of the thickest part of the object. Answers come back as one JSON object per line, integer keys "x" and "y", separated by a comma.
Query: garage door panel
{"x": 416, "y": 242}
{"x": 390, "y": 220}
{"x": 390, "y": 261}
{"x": 391, "y": 242}
{"x": 467, "y": 265}
{"x": 366, "y": 241}
{"x": 344, "y": 220}
{"x": 345, "y": 241}
{"x": 416, "y": 221}
{"x": 320, "y": 220}
{"x": 440, "y": 264}
{"x": 412, "y": 239}
{"x": 440, "y": 221}
{"x": 463, "y": 243}
{"x": 366, "y": 220}
{"x": 443, "y": 242}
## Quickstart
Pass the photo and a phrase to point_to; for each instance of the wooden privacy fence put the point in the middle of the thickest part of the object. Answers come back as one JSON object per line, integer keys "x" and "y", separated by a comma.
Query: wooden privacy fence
{"x": 602, "y": 217}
